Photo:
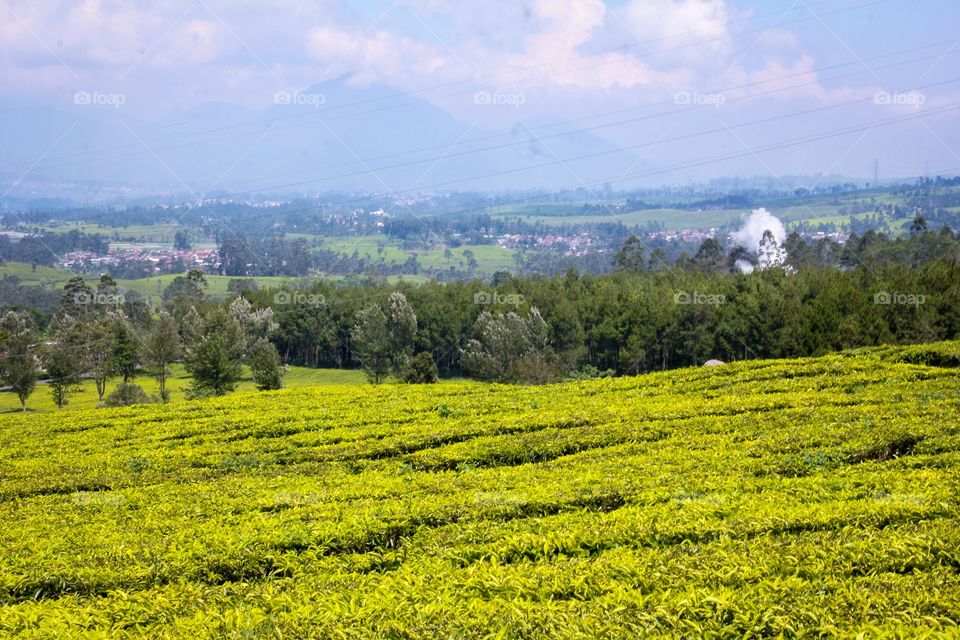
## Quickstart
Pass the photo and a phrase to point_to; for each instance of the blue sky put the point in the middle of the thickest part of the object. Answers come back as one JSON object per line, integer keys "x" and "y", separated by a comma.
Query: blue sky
{"x": 539, "y": 60}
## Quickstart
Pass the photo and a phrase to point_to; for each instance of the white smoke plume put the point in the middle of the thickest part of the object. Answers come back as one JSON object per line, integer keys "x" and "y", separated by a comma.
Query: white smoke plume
{"x": 750, "y": 237}
{"x": 745, "y": 266}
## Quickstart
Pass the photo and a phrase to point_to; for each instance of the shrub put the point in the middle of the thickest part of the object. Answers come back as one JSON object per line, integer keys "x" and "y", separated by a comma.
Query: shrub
{"x": 537, "y": 368}
{"x": 589, "y": 372}
{"x": 265, "y": 366}
{"x": 421, "y": 369}
{"x": 127, "y": 394}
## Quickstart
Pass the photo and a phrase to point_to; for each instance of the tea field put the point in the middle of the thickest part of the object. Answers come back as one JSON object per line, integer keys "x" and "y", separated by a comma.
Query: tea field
{"x": 797, "y": 499}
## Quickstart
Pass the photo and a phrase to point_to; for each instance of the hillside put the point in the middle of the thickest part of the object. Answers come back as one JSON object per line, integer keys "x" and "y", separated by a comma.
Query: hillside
{"x": 796, "y": 498}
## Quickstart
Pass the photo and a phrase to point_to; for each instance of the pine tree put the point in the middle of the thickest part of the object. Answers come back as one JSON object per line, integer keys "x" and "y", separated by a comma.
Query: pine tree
{"x": 213, "y": 354}
{"x": 265, "y": 366}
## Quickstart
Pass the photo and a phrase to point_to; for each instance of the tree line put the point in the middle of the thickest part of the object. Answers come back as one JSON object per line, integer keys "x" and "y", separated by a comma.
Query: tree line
{"x": 92, "y": 337}
{"x": 801, "y": 299}
{"x": 46, "y": 248}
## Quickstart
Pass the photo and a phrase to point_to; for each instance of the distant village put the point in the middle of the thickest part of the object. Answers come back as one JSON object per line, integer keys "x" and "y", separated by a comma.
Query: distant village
{"x": 207, "y": 259}
{"x": 163, "y": 259}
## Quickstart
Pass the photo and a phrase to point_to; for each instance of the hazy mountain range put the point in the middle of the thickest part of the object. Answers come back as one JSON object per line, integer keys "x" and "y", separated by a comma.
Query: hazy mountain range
{"x": 332, "y": 136}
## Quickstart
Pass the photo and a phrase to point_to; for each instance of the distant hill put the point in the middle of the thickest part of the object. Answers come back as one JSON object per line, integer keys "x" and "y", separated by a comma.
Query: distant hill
{"x": 332, "y": 130}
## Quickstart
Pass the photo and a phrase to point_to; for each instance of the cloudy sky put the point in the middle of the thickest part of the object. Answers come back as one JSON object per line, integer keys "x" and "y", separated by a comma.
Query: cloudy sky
{"x": 492, "y": 63}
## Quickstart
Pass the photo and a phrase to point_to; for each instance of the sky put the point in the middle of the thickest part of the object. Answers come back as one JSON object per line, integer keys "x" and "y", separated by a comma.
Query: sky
{"x": 493, "y": 63}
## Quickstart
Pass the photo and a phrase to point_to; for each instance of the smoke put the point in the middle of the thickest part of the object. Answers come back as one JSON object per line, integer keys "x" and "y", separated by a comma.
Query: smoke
{"x": 750, "y": 237}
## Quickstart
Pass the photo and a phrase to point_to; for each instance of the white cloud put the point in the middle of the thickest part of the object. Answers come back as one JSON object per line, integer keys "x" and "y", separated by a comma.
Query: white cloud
{"x": 244, "y": 51}
{"x": 376, "y": 57}
{"x": 788, "y": 82}
{"x": 562, "y": 28}
{"x": 674, "y": 24}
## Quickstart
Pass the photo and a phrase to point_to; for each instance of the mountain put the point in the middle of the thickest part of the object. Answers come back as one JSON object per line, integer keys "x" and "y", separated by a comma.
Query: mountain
{"x": 332, "y": 136}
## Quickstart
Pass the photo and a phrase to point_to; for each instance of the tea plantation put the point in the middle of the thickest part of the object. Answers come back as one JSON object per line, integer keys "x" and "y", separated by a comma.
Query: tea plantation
{"x": 799, "y": 499}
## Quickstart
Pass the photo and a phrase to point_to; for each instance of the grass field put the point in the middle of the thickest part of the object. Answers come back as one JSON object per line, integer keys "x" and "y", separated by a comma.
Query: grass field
{"x": 152, "y": 286}
{"x": 216, "y": 285}
{"x": 151, "y": 234}
{"x": 366, "y": 246}
{"x": 36, "y": 276}
{"x": 798, "y": 499}
{"x": 572, "y": 207}
{"x": 86, "y": 397}
{"x": 669, "y": 218}
{"x": 682, "y": 219}
{"x": 490, "y": 258}
{"x": 813, "y": 209}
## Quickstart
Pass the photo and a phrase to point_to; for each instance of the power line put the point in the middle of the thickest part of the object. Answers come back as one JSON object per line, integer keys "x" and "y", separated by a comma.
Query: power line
{"x": 633, "y": 176}
{"x": 320, "y": 112}
{"x": 642, "y": 107}
{"x": 598, "y": 154}
{"x": 566, "y": 133}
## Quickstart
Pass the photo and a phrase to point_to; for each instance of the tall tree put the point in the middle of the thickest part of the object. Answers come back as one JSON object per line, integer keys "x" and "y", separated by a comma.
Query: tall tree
{"x": 510, "y": 348}
{"x": 629, "y": 257}
{"x": 257, "y": 324}
{"x": 383, "y": 341}
{"x": 63, "y": 360}
{"x": 181, "y": 240}
{"x": 125, "y": 352}
{"x": 710, "y": 256}
{"x": 18, "y": 367}
{"x": 77, "y": 300}
{"x": 918, "y": 226}
{"x": 161, "y": 348}
{"x": 402, "y": 326}
{"x": 213, "y": 354}
{"x": 95, "y": 343}
{"x": 372, "y": 343}
{"x": 770, "y": 254}
{"x": 265, "y": 365}
{"x": 184, "y": 293}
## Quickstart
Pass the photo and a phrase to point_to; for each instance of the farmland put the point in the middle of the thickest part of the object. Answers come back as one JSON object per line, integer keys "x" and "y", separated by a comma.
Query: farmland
{"x": 669, "y": 218}
{"x": 799, "y": 498}
{"x": 381, "y": 247}
{"x": 818, "y": 209}
{"x": 445, "y": 239}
